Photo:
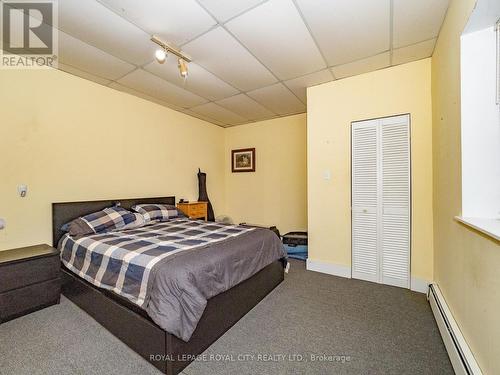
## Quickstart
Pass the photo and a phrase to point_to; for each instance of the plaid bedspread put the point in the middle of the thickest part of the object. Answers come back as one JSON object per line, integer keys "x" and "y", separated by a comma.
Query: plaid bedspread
{"x": 123, "y": 261}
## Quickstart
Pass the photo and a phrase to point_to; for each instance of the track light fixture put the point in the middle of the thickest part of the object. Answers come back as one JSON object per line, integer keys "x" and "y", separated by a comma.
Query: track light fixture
{"x": 183, "y": 69}
{"x": 161, "y": 55}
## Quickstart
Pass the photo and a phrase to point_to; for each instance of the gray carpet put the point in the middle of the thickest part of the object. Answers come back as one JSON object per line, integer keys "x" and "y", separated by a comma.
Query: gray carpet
{"x": 355, "y": 327}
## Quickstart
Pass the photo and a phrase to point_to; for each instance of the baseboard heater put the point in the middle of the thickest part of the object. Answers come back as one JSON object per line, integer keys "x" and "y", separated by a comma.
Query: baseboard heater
{"x": 461, "y": 357}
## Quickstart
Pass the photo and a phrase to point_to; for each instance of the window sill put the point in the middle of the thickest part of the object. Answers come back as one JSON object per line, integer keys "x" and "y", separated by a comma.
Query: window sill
{"x": 489, "y": 227}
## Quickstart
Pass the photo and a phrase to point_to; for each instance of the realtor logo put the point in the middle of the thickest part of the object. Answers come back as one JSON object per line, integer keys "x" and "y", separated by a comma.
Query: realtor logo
{"x": 29, "y": 34}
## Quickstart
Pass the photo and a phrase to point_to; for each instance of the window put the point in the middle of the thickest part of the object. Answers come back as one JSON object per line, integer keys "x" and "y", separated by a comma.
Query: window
{"x": 480, "y": 98}
{"x": 498, "y": 61}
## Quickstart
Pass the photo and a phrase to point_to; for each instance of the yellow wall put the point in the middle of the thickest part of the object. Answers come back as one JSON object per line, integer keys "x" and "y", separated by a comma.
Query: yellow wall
{"x": 331, "y": 109}
{"x": 466, "y": 264}
{"x": 276, "y": 193}
{"x": 71, "y": 139}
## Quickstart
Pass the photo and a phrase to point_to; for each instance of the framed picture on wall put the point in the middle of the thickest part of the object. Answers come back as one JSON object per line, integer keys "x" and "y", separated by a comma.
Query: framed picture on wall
{"x": 243, "y": 160}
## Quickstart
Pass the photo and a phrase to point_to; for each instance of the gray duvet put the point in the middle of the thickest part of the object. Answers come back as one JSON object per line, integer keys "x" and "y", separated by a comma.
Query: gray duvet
{"x": 170, "y": 269}
{"x": 184, "y": 282}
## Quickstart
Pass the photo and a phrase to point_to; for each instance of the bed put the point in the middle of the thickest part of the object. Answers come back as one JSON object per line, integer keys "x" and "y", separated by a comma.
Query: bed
{"x": 134, "y": 325}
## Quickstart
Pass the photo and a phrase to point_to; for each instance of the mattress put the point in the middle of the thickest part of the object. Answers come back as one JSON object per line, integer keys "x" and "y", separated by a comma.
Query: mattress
{"x": 170, "y": 269}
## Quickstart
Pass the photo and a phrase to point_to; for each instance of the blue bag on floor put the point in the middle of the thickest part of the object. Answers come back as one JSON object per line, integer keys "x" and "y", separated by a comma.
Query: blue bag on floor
{"x": 296, "y": 252}
{"x": 295, "y": 244}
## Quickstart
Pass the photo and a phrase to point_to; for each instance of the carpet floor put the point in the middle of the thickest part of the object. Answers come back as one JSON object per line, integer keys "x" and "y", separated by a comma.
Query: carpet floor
{"x": 311, "y": 324}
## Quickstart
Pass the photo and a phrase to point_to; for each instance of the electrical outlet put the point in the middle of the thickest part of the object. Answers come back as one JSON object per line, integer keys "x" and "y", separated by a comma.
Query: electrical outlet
{"x": 2, "y": 223}
{"x": 22, "y": 190}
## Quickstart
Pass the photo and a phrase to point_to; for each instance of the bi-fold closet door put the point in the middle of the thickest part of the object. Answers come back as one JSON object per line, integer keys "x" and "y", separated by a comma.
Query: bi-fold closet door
{"x": 381, "y": 200}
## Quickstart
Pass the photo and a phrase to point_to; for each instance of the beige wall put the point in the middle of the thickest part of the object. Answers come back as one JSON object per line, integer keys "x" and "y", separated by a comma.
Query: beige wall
{"x": 71, "y": 139}
{"x": 331, "y": 109}
{"x": 276, "y": 193}
{"x": 466, "y": 264}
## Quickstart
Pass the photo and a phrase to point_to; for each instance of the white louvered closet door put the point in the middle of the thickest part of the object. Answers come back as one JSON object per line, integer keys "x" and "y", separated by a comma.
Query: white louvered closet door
{"x": 365, "y": 257}
{"x": 381, "y": 200}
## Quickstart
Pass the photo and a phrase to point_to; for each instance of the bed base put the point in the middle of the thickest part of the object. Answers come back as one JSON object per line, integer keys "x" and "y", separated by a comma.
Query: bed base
{"x": 165, "y": 351}
{"x": 132, "y": 325}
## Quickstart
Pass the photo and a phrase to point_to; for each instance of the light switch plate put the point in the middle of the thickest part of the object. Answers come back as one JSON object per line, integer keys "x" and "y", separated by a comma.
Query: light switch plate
{"x": 2, "y": 223}
{"x": 327, "y": 175}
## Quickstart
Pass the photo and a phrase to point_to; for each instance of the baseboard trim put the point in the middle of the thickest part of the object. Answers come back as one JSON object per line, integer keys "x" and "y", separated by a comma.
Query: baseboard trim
{"x": 461, "y": 356}
{"x": 328, "y": 268}
{"x": 419, "y": 285}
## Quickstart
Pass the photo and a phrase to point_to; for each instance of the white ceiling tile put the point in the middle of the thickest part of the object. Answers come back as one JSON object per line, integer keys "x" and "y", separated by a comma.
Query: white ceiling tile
{"x": 80, "y": 73}
{"x": 246, "y": 107}
{"x": 415, "y": 21}
{"x": 362, "y": 66}
{"x": 278, "y": 99}
{"x": 80, "y": 55}
{"x": 99, "y": 26}
{"x": 216, "y": 112}
{"x": 348, "y": 30}
{"x": 414, "y": 52}
{"x": 281, "y": 40}
{"x": 221, "y": 54}
{"x": 151, "y": 85}
{"x": 198, "y": 81}
{"x": 299, "y": 85}
{"x": 173, "y": 20}
{"x": 226, "y": 9}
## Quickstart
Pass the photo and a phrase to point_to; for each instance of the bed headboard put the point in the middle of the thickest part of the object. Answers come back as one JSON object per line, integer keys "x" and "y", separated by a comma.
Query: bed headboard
{"x": 64, "y": 212}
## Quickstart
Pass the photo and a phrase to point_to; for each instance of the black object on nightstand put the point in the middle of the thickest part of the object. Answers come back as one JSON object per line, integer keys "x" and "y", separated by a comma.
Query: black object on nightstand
{"x": 29, "y": 280}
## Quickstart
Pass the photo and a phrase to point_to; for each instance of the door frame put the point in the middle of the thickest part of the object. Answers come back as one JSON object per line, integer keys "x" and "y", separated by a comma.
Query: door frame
{"x": 410, "y": 218}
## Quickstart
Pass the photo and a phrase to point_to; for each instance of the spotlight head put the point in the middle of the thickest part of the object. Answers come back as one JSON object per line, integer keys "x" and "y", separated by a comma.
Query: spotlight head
{"x": 160, "y": 55}
{"x": 183, "y": 69}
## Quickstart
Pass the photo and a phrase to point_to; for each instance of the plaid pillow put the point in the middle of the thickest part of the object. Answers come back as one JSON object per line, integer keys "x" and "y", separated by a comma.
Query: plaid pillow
{"x": 156, "y": 211}
{"x": 109, "y": 218}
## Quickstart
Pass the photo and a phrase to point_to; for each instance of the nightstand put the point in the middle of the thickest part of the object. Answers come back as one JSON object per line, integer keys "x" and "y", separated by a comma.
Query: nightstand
{"x": 29, "y": 280}
{"x": 194, "y": 210}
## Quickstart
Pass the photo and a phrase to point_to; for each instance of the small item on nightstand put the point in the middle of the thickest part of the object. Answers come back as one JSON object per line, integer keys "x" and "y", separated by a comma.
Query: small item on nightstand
{"x": 183, "y": 201}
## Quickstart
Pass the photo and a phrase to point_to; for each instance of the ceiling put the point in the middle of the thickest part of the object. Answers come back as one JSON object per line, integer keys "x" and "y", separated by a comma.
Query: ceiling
{"x": 252, "y": 59}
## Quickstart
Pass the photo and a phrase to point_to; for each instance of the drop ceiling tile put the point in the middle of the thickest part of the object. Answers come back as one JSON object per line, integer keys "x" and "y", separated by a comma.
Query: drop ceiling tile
{"x": 151, "y": 85}
{"x": 362, "y": 66}
{"x": 199, "y": 80}
{"x": 97, "y": 25}
{"x": 281, "y": 41}
{"x": 80, "y": 73}
{"x": 218, "y": 113}
{"x": 415, "y": 21}
{"x": 221, "y": 54}
{"x": 299, "y": 85}
{"x": 246, "y": 107}
{"x": 173, "y": 20}
{"x": 414, "y": 52}
{"x": 226, "y": 9}
{"x": 84, "y": 57}
{"x": 278, "y": 99}
{"x": 348, "y": 30}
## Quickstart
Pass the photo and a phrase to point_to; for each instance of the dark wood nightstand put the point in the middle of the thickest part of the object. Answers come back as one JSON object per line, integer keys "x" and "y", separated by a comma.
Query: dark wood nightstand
{"x": 29, "y": 280}
{"x": 194, "y": 210}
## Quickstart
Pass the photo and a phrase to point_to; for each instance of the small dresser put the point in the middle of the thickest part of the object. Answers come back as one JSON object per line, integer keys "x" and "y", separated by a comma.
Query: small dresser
{"x": 194, "y": 210}
{"x": 29, "y": 280}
